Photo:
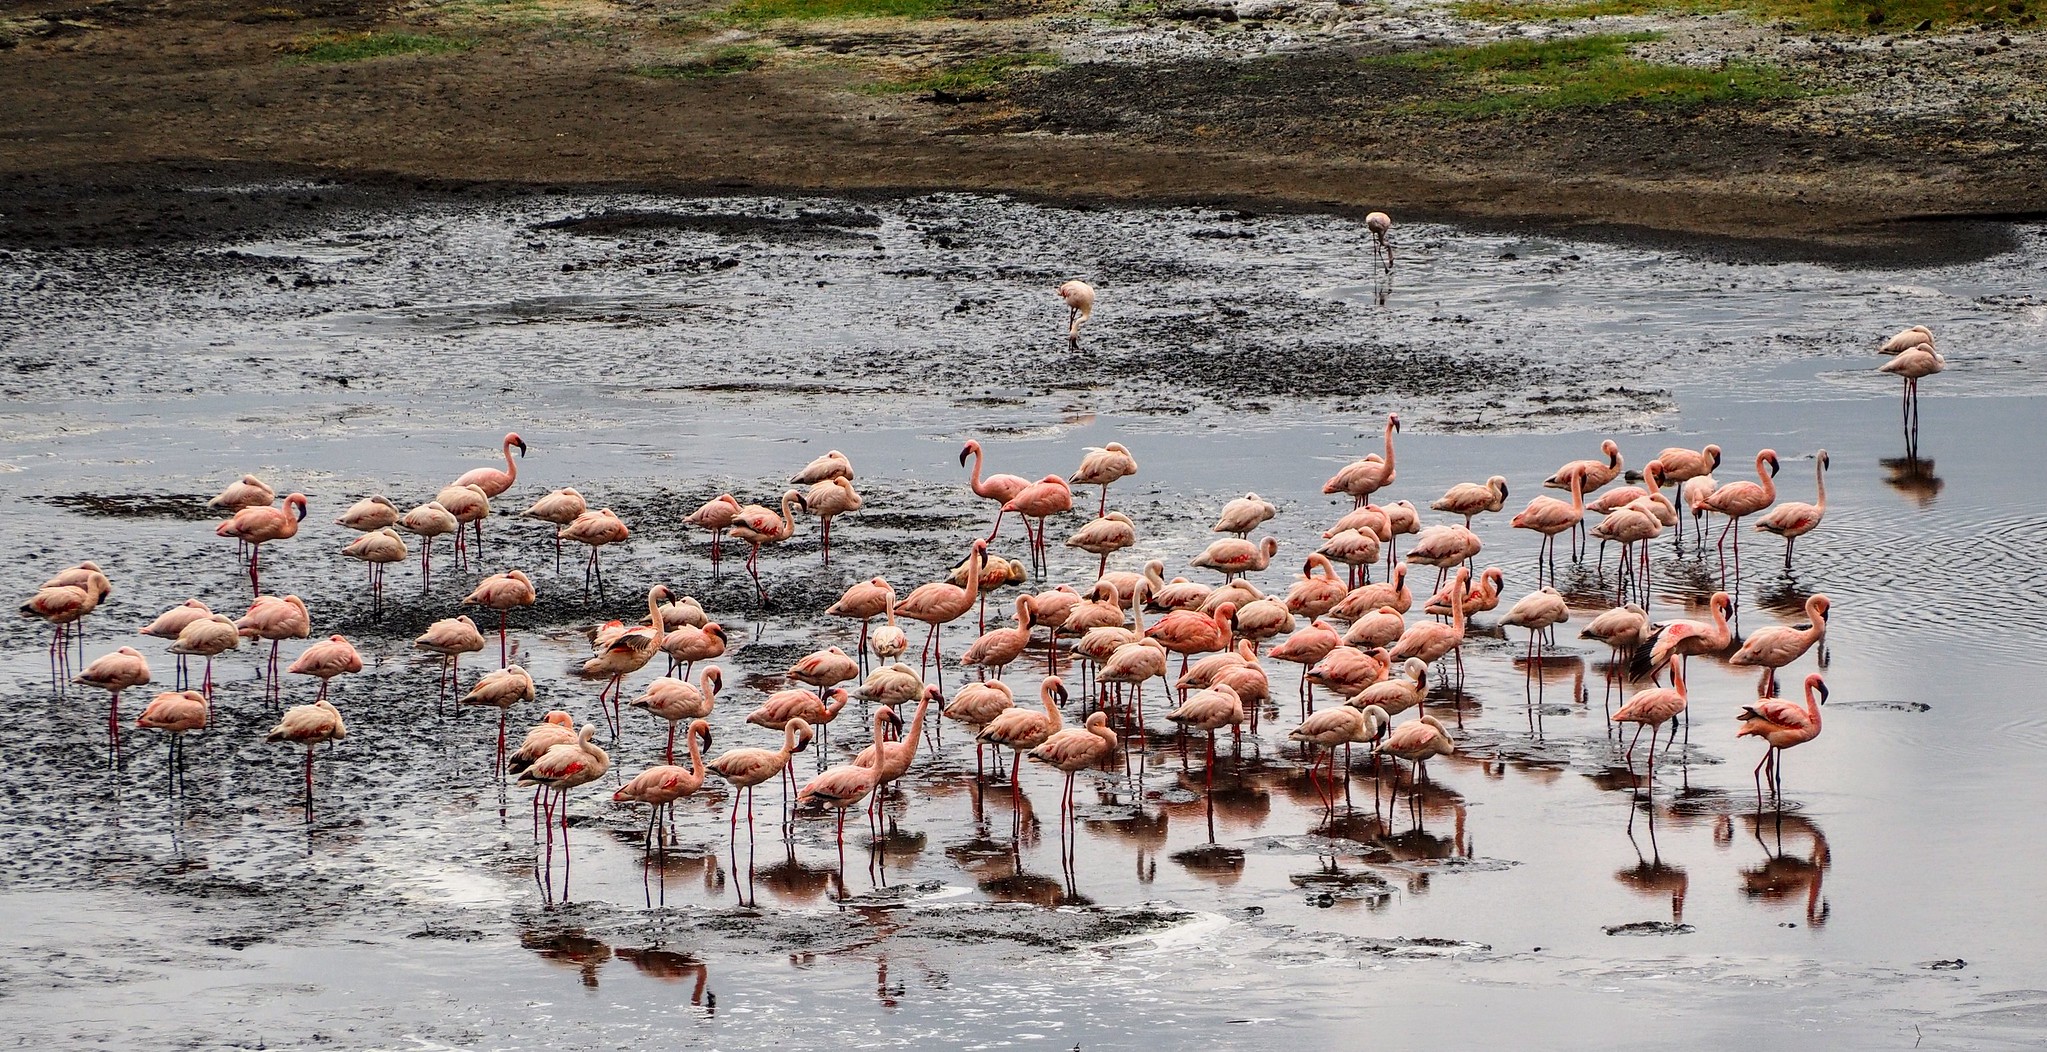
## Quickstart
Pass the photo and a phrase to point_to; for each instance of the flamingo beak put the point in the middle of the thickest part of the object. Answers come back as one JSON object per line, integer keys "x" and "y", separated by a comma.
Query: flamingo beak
{"x": 963, "y": 456}
{"x": 1060, "y": 691}
{"x": 1822, "y": 688}
{"x": 522, "y": 447}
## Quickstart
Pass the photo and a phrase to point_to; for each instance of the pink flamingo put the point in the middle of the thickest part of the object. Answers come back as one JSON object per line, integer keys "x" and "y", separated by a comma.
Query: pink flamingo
{"x": 560, "y": 508}
{"x": 556, "y": 728}
{"x": 1783, "y": 725}
{"x": 1040, "y": 500}
{"x": 1186, "y": 632}
{"x": 824, "y": 669}
{"x": 1022, "y": 729}
{"x": 1079, "y": 297}
{"x": 503, "y": 592}
{"x": 662, "y": 786}
{"x": 492, "y": 481}
{"x": 326, "y": 659}
{"x": 246, "y": 492}
{"x": 596, "y": 529}
{"x": 62, "y": 604}
{"x": 428, "y": 521}
{"x": 255, "y": 526}
{"x": 1348, "y": 670}
{"x": 470, "y": 506}
{"x": 1244, "y": 514}
{"x": 1102, "y": 465}
{"x": 1380, "y": 226}
{"x": 1343, "y": 725}
{"x": 715, "y": 515}
{"x": 997, "y": 648}
{"x": 827, "y": 500}
{"x": 864, "y": 601}
{"x": 560, "y": 769}
{"x": 1209, "y": 710}
{"x": 892, "y": 759}
{"x": 1362, "y": 478}
{"x": 686, "y": 645}
{"x": 1234, "y": 557}
{"x": 114, "y": 673}
{"x": 840, "y": 788}
{"x": 1549, "y": 516}
{"x": 276, "y": 620}
{"x": 1774, "y": 647}
{"x": 1355, "y": 549}
{"x": 1913, "y": 365}
{"x": 377, "y": 549}
{"x": 1444, "y": 547}
{"x": 1363, "y": 599}
{"x": 758, "y": 525}
{"x": 999, "y": 488}
{"x": 452, "y": 637}
{"x": 1592, "y": 474}
{"x": 207, "y": 637}
{"x": 1416, "y": 742}
{"x": 173, "y": 621}
{"x": 619, "y": 651}
{"x": 1308, "y": 647}
{"x": 1684, "y": 638}
{"x": 1396, "y": 695}
{"x": 369, "y": 514}
{"x": 832, "y": 465}
{"x": 1470, "y": 499}
{"x": 1652, "y": 708}
{"x": 977, "y": 705}
{"x": 1736, "y": 500}
{"x": 785, "y": 705}
{"x": 676, "y": 700}
{"x": 309, "y": 725}
{"x": 176, "y": 713}
{"x": 1315, "y": 594}
{"x": 1381, "y": 628}
{"x": 500, "y": 690}
{"x": 1625, "y": 630}
{"x": 1538, "y": 612}
{"x": 1794, "y": 519}
{"x": 940, "y": 602}
{"x": 1104, "y": 537}
{"x": 1484, "y": 595}
{"x": 1074, "y": 748}
{"x": 746, "y": 768}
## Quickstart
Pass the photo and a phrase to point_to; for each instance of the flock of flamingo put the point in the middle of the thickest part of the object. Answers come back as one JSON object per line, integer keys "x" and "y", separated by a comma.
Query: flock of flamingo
{"x": 1352, "y": 636}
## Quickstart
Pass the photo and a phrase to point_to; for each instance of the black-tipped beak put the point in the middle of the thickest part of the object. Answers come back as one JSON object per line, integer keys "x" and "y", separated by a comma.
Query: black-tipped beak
{"x": 522, "y": 448}
{"x": 963, "y": 456}
{"x": 1060, "y": 693}
{"x": 1823, "y": 693}
{"x": 895, "y": 725}
{"x": 1504, "y": 491}
{"x": 1774, "y": 467}
{"x": 705, "y": 734}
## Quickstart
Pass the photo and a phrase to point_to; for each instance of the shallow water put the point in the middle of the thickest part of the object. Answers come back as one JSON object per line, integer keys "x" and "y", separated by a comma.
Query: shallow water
{"x": 652, "y": 362}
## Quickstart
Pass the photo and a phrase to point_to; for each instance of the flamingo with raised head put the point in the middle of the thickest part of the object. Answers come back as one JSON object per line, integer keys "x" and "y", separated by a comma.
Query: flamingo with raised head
{"x": 663, "y": 785}
{"x": 997, "y": 648}
{"x": 1783, "y": 725}
{"x": 999, "y": 488}
{"x": 1739, "y": 499}
{"x": 1073, "y": 749}
{"x": 940, "y": 602}
{"x": 1549, "y": 516}
{"x": 1794, "y": 519}
{"x": 1652, "y": 708}
{"x": 1364, "y": 477}
{"x": 489, "y": 479}
{"x": 686, "y": 645}
{"x": 840, "y": 788}
{"x": 1471, "y": 499}
{"x": 747, "y": 768}
{"x": 1774, "y": 647}
{"x": 618, "y": 651}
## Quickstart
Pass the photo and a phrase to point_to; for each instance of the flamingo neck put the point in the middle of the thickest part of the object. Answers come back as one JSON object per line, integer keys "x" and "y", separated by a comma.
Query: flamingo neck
{"x": 1821, "y": 473}
{"x": 916, "y": 731}
{"x": 654, "y": 616}
{"x": 1389, "y": 445}
{"x": 511, "y": 466}
{"x": 696, "y": 758}
{"x": 976, "y": 562}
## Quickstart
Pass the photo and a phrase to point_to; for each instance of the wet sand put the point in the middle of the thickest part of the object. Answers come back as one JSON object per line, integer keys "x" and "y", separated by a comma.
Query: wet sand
{"x": 394, "y": 346}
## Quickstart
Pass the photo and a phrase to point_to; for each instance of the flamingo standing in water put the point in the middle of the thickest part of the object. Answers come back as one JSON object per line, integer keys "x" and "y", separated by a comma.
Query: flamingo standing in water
{"x": 276, "y": 620}
{"x": 840, "y": 788}
{"x": 560, "y": 769}
{"x": 662, "y": 786}
{"x": 596, "y": 529}
{"x": 246, "y": 492}
{"x": 503, "y": 592}
{"x": 1913, "y": 365}
{"x": 1041, "y": 500}
{"x": 814, "y": 710}
{"x": 940, "y": 602}
{"x": 715, "y": 515}
{"x": 686, "y": 645}
{"x": 864, "y": 601}
{"x": 492, "y": 483}
{"x": 1315, "y": 594}
{"x": 997, "y": 648}
{"x": 1774, "y": 647}
{"x": 428, "y": 521}
{"x": 1470, "y": 499}
{"x": 377, "y": 549}
{"x": 1209, "y": 710}
{"x": 309, "y": 725}
{"x": 255, "y": 526}
{"x": 1233, "y": 557}
{"x": 326, "y": 659}
{"x": 1624, "y": 629}
{"x": 619, "y": 651}
{"x": 175, "y": 712}
{"x": 114, "y": 673}
{"x": 999, "y": 488}
{"x": 1380, "y": 225}
{"x": 1103, "y": 465}
{"x": 1022, "y": 729}
{"x": 746, "y": 768}
{"x": 827, "y": 500}
{"x": 1783, "y": 725}
{"x": 500, "y": 690}
{"x": 1736, "y": 500}
{"x": 1681, "y": 466}
{"x": 1244, "y": 514}
{"x": 1549, "y": 516}
{"x": 1652, "y": 708}
{"x": 173, "y": 621}
{"x": 1344, "y": 725}
{"x": 1416, "y": 742}
{"x": 207, "y": 637}
{"x": 561, "y": 507}
{"x": 1075, "y": 748}
{"x": 470, "y": 506}
{"x": 370, "y": 514}
{"x": 452, "y": 637}
{"x": 1079, "y": 297}
{"x": 1794, "y": 519}
{"x": 1104, "y": 537}
{"x": 1362, "y": 478}
{"x": 758, "y": 525}
{"x": 677, "y": 700}
{"x": 1905, "y": 340}
{"x": 977, "y": 705}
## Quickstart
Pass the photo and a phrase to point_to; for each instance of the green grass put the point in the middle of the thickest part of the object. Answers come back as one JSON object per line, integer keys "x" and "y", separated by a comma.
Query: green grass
{"x": 355, "y": 47}
{"x": 737, "y": 58}
{"x": 1580, "y": 73}
{"x": 1884, "y": 15}
{"x": 979, "y": 75}
{"x": 756, "y": 11}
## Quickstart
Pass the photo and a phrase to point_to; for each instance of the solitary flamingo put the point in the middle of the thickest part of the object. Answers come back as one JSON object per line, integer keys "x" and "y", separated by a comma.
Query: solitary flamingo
{"x": 175, "y": 712}
{"x": 500, "y": 689}
{"x": 428, "y": 521}
{"x": 662, "y": 786}
{"x": 1739, "y": 499}
{"x": 503, "y": 592}
{"x": 255, "y": 526}
{"x": 1362, "y": 478}
{"x": 309, "y": 725}
{"x": 596, "y": 529}
{"x": 275, "y": 619}
{"x": 561, "y": 507}
{"x": 1102, "y": 465}
{"x": 1079, "y": 297}
{"x": 832, "y": 465}
{"x": 207, "y": 637}
{"x": 758, "y": 525}
{"x": 378, "y": 549}
{"x": 452, "y": 637}
{"x": 1380, "y": 225}
{"x": 715, "y": 515}
{"x": 559, "y": 770}
{"x": 1244, "y": 514}
{"x": 1041, "y": 500}
{"x": 1774, "y": 647}
{"x": 939, "y": 602}
{"x": 746, "y": 768}
{"x": 1783, "y": 725}
{"x": 369, "y": 514}
{"x": 1794, "y": 519}
{"x": 114, "y": 673}
{"x": 326, "y": 659}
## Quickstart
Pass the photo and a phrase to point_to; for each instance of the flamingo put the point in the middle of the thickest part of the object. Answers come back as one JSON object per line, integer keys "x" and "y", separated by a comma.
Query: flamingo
{"x": 686, "y": 645}
{"x": 1632, "y": 527}
{"x": 1134, "y": 663}
{"x": 1396, "y": 695}
{"x": 715, "y": 515}
{"x": 813, "y": 710}
{"x": 999, "y": 488}
{"x": 1102, "y": 465}
{"x": 1774, "y": 647}
{"x": 1022, "y": 729}
{"x": 1209, "y": 710}
{"x": 1379, "y": 224}
{"x": 1624, "y": 629}
{"x": 207, "y": 637}
{"x": 977, "y": 705}
{"x": 997, "y": 648}
{"x": 1685, "y": 638}
{"x": 1484, "y": 595}
{"x": 892, "y": 685}
{"x": 840, "y": 788}
{"x": 939, "y": 602}
{"x": 1380, "y": 628}
{"x": 1234, "y": 557}
{"x": 596, "y": 529}
{"x": 662, "y": 786}
{"x": 326, "y": 659}
{"x": 828, "y": 499}
{"x": 1244, "y": 514}
{"x": 490, "y": 480}
{"x": 1179, "y": 594}
{"x": 503, "y": 592}
{"x": 1794, "y": 519}
{"x": 1315, "y": 594}
{"x": 309, "y": 725}
{"x": 833, "y": 465}
{"x": 175, "y": 712}
{"x": 1652, "y": 708}
{"x": 1262, "y": 619}
{"x": 1742, "y": 498}
{"x": 452, "y": 637}
{"x": 1905, "y": 340}
{"x": 1079, "y": 297}
{"x": 500, "y": 690}
{"x": 560, "y": 508}
{"x": 428, "y": 521}
{"x": 1392, "y": 592}
{"x": 556, "y": 728}
{"x": 892, "y": 759}
{"x": 1432, "y": 640}
{"x": 1470, "y": 499}
{"x": 1071, "y": 749}
{"x": 168, "y": 624}
{"x": 275, "y": 619}
{"x": 824, "y": 669}
{"x": 1549, "y": 516}
{"x": 1186, "y": 632}
{"x": 1342, "y": 725}
{"x": 889, "y": 641}
{"x": 114, "y": 673}
{"x": 746, "y": 768}
{"x": 1348, "y": 670}
{"x": 758, "y": 525}
{"x": 1537, "y": 612}
{"x": 377, "y": 549}
{"x": 246, "y": 492}
{"x": 1051, "y": 608}
{"x": 1104, "y": 536}
{"x": 255, "y": 526}
{"x": 560, "y": 769}
{"x": 1416, "y": 742}
{"x": 1354, "y": 548}
{"x": 1444, "y": 547}
{"x": 1041, "y": 500}
{"x": 1592, "y": 473}
{"x": 369, "y": 514}
{"x": 618, "y": 652}
{"x": 1913, "y": 365}
{"x": 1127, "y": 584}
{"x": 1783, "y": 725}
{"x": 1681, "y": 465}
{"x": 1362, "y": 478}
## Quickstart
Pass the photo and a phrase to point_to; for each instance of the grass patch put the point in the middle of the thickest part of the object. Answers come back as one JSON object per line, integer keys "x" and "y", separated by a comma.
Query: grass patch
{"x": 356, "y": 47}
{"x": 754, "y": 11}
{"x": 1850, "y": 15}
{"x": 1581, "y": 73}
{"x": 738, "y": 58}
{"x": 979, "y": 76}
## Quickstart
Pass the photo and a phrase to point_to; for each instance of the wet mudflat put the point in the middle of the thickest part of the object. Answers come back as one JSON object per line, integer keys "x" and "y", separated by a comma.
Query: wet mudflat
{"x": 655, "y": 352}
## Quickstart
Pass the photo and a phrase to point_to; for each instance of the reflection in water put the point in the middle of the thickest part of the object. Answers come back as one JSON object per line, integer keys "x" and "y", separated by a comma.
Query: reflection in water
{"x": 574, "y": 948}
{"x": 1783, "y": 876}
{"x": 1654, "y": 877}
{"x": 671, "y": 966}
{"x": 571, "y": 948}
{"x": 1912, "y": 475}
